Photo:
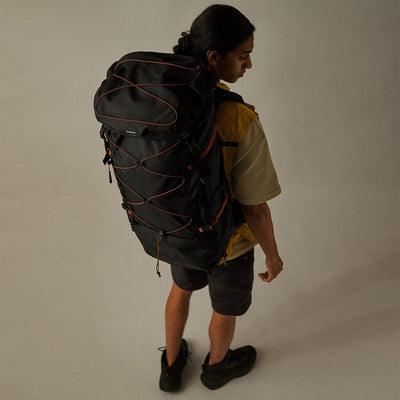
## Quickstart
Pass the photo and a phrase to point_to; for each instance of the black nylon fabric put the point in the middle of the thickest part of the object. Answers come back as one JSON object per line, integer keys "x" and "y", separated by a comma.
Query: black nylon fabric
{"x": 157, "y": 115}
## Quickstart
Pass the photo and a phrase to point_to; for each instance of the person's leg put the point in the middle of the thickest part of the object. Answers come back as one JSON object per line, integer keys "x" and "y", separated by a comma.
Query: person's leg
{"x": 175, "y": 355}
{"x": 176, "y": 313}
{"x": 221, "y": 331}
{"x": 230, "y": 288}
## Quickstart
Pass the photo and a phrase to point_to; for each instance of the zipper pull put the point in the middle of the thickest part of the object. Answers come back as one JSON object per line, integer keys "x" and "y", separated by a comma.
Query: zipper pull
{"x": 159, "y": 237}
{"x": 109, "y": 174}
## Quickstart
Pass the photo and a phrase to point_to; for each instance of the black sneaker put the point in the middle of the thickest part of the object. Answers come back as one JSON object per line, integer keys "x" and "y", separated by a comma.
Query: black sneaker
{"x": 235, "y": 364}
{"x": 171, "y": 377}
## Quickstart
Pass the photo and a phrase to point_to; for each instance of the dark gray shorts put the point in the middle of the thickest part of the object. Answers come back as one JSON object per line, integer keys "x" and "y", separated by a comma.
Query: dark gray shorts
{"x": 230, "y": 284}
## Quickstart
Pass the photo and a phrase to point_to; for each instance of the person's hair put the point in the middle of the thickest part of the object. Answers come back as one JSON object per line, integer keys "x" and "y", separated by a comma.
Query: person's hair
{"x": 218, "y": 27}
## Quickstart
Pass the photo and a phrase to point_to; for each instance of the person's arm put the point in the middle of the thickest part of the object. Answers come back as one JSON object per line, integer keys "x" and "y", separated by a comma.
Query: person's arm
{"x": 258, "y": 218}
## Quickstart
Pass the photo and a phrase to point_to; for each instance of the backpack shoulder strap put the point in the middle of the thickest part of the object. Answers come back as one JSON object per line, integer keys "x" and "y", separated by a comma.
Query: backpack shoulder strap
{"x": 229, "y": 147}
{"x": 221, "y": 95}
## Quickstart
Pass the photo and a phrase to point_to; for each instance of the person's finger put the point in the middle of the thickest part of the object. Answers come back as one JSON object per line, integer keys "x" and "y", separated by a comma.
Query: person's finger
{"x": 263, "y": 276}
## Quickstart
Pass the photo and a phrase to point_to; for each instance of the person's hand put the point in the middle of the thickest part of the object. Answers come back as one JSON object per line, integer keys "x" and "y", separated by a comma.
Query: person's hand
{"x": 274, "y": 267}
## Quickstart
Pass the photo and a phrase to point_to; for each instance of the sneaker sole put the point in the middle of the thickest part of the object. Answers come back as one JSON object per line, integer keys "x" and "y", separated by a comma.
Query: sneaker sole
{"x": 212, "y": 385}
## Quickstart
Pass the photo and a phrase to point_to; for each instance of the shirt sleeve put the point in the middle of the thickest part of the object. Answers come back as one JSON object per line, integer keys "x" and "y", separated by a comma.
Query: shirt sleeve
{"x": 254, "y": 179}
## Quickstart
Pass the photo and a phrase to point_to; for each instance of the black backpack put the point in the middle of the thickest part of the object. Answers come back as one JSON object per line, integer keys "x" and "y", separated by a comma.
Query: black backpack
{"x": 158, "y": 124}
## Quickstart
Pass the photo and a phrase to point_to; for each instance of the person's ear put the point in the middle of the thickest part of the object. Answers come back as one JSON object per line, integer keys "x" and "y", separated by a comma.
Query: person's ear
{"x": 212, "y": 58}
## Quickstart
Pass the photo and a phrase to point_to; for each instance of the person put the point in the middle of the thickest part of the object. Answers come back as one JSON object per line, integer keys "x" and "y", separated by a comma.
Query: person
{"x": 222, "y": 38}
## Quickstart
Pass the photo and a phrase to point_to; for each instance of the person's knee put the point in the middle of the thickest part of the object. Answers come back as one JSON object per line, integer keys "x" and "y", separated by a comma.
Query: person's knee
{"x": 177, "y": 291}
{"x": 223, "y": 317}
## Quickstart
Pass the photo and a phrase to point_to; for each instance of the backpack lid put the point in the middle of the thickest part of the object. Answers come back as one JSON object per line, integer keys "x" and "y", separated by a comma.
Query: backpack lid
{"x": 145, "y": 90}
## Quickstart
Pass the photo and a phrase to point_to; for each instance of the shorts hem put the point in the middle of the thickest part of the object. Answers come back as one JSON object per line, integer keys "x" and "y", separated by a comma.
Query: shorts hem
{"x": 236, "y": 313}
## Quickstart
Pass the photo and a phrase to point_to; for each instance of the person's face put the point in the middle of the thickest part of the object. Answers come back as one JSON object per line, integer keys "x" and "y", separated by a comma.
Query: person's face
{"x": 234, "y": 64}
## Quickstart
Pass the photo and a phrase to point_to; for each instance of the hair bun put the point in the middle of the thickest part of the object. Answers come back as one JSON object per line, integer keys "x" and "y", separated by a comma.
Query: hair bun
{"x": 184, "y": 44}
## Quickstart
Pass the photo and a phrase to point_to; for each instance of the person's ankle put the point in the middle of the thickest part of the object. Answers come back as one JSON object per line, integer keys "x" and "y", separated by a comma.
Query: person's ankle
{"x": 171, "y": 361}
{"x": 218, "y": 358}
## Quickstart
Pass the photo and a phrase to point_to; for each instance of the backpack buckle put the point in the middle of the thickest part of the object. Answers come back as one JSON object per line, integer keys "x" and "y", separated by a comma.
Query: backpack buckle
{"x": 205, "y": 228}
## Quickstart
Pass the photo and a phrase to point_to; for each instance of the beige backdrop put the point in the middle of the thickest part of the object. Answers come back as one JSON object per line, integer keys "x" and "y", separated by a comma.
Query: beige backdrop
{"x": 81, "y": 306}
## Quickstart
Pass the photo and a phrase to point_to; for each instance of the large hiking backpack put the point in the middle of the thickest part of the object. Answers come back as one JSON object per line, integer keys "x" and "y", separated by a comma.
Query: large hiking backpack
{"x": 158, "y": 125}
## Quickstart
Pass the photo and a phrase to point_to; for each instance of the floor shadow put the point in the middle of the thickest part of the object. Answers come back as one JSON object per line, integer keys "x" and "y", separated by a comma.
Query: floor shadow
{"x": 345, "y": 334}
{"x": 348, "y": 286}
{"x": 334, "y": 314}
